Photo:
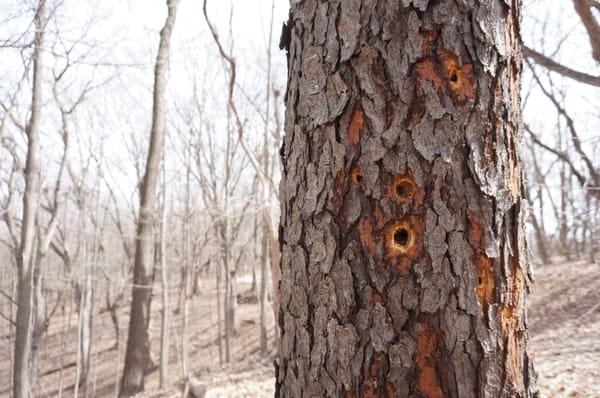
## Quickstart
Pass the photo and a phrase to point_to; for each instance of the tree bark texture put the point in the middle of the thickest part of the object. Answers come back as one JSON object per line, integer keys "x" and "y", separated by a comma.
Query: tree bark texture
{"x": 27, "y": 317}
{"x": 137, "y": 356}
{"x": 404, "y": 261}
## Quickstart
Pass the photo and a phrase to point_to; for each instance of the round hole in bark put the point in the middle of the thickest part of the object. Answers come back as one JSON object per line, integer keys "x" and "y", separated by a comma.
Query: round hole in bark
{"x": 404, "y": 190}
{"x": 356, "y": 176}
{"x": 402, "y": 237}
{"x": 454, "y": 77}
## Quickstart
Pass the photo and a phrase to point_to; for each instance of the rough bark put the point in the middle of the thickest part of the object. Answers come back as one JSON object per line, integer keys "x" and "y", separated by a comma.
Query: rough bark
{"x": 26, "y": 258}
{"x": 137, "y": 356}
{"x": 404, "y": 261}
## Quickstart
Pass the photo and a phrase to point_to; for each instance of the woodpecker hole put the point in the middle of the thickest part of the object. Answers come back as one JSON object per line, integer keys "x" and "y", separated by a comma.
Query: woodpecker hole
{"x": 401, "y": 189}
{"x": 403, "y": 241}
{"x": 401, "y": 237}
{"x": 404, "y": 190}
{"x": 356, "y": 176}
{"x": 454, "y": 77}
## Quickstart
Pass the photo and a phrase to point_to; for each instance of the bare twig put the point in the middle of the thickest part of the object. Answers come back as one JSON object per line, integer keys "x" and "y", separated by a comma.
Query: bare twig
{"x": 554, "y": 66}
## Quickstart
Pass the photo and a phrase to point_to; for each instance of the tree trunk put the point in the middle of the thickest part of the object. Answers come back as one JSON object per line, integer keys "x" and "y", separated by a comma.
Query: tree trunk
{"x": 404, "y": 261}
{"x": 564, "y": 226}
{"x": 166, "y": 307}
{"x": 26, "y": 261}
{"x": 218, "y": 294}
{"x": 185, "y": 297}
{"x": 228, "y": 303}
{"x": 263, "y": 290}
{"x": 594, "y": 230}
{"x": 540, "y": 236}
{"x": 137, "y": 356}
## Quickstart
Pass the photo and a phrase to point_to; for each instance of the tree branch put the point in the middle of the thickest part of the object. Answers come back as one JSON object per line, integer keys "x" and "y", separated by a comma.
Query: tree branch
{"x": 265, "y": 179}
{"x": 594, "y": 175}
{"x": 554, "y": 66}
{"x": 584, "y": 9}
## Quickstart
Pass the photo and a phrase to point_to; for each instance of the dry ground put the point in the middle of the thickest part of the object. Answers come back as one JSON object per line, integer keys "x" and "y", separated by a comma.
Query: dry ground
{"x": 564, "y": 319}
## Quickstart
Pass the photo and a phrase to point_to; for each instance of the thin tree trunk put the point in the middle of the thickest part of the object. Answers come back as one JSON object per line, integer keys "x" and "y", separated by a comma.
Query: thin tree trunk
{"x": 263, "y": 294}
{"x": 265, "y": 207}
{"x": 85, "y": 339}
{"x": 185, "y": 304}
{"x": 219, "y": 331}
{"x": 404, "y": 256}
{"x": 13, "y": 315}
{"x": 78, "y": 356}
{"x": 137, "y": 357}
{"x": 564, "y": 227}
{"x": 594, "y": 231}
{"x": 166, "y": 307}
{"x": 63, "y": 343}
{"x": 227, "y": 304}
{"x": 39, "y": 317}
{"x": 541, "y": 240}
{"x": 26, "y": 261}
{"x": 184, "y": 329}
{"x": 539, "y": 233}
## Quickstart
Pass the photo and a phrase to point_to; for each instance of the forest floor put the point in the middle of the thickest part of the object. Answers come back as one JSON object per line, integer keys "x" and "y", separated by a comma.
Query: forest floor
{"x": 564, "y": 321}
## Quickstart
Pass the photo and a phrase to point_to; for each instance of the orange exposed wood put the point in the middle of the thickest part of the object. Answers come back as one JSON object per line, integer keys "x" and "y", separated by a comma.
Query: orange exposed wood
{"x": 355, "y": 176}
{"x": 369, "y": 390}
{"x": 376, "y": 298}
{"x": 426, "y": 71}
{"x": 404, "y": 254}
{"x": 356, "y": 125}
{"x": 514, "y": 171}
{"x": 486, "y": 282}
{"x": 338, "y": 190}
{"x": 379, "y": 216}
{"x": 395, "y": 248}
{"x": 475, "y": 230}
{"x": 427, "y": 381}
{"x": 390, "y": 390}
{"x": 428, "y": 38}
{"x": 513, "y": 43}
{"x": 401, "y": 189}
{"x": 512, "y": 325}
{"x": 371, "y": 384}
{"x": 366, "y": 236}
{"x": 514, "y": 362}
{"x": 460, "y": 78}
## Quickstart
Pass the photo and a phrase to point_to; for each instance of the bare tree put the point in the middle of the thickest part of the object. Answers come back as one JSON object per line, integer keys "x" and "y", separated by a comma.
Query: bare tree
{"x": 137, "y": 357}
{"x": 262, "y": 170}
{"x": 28, "y": 276}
